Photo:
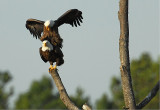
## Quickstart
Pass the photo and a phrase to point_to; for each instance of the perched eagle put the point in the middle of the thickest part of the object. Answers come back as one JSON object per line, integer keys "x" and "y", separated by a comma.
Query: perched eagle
{"x": 49, "y": 28}
{"x": 50, "y": 53}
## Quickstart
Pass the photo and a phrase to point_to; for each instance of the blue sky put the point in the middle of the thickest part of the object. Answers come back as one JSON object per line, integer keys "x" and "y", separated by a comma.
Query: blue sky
{"x": 91, "y": 51}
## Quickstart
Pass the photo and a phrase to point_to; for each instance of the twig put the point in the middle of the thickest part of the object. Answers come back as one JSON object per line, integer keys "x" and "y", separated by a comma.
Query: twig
{"x": 149, "y": 97}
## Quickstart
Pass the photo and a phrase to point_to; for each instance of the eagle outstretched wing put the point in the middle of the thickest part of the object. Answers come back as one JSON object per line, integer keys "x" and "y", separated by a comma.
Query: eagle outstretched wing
{"x": 35, "y": 27}
{"x": 72, "y": 17}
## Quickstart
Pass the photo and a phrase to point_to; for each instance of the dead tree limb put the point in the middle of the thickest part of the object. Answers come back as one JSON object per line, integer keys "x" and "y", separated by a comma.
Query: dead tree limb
{"x": 124, "y": 55}
{"x": 63, "y": 93}
{"x": 149, "y": 97}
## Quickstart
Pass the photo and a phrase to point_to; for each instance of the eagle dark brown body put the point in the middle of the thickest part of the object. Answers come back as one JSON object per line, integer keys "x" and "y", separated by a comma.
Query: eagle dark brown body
{"x": 55, "y": 55}
{"x": 52, "y": 36}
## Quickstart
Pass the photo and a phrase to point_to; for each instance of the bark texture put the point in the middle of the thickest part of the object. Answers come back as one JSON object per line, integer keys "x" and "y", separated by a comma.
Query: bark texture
{"x": 124, "y": 55}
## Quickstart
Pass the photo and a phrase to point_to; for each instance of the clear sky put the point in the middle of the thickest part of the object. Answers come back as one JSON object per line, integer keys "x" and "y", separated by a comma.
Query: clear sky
{"x": 91, "y": 51}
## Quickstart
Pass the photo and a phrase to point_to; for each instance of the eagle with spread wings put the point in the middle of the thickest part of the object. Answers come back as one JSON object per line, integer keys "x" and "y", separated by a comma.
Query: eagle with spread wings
{"x": 49, "y": 28}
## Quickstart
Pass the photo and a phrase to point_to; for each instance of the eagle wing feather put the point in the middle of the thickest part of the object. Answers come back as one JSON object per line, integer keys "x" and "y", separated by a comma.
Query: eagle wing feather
{"x": 72, "y": 17}
{"x": 35, "y": 27}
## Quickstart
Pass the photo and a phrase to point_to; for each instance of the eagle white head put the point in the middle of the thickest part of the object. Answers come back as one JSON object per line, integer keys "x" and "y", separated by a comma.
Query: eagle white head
{"x": 49, "y": 23}
{"x": 46, "y": 45}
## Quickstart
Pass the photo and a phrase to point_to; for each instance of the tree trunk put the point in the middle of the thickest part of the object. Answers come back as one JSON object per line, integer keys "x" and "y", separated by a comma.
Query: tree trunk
{"x": 124, "y": 55}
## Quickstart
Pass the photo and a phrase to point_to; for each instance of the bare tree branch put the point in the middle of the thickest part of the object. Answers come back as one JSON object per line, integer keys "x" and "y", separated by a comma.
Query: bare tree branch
{"x": 124, "y": 55}
{"x": 149, "y": 97}
{"x": 63, "y": 93}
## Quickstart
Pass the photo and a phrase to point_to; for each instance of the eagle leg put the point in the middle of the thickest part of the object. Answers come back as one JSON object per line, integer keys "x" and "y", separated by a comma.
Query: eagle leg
{"x": 52, "y": 68}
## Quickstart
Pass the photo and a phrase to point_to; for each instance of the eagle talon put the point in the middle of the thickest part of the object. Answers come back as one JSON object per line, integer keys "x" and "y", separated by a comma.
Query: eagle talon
{"x": 52, "y": 68}
{"x": 55, "y": 67}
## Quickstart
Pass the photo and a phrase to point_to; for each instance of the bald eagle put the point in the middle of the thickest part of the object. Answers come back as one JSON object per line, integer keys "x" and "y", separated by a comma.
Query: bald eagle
{"x": 49, "y": 28}
{"x": 50, "y": 53}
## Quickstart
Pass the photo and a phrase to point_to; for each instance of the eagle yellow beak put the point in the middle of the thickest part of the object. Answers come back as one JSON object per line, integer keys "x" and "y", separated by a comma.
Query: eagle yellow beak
{"x": 45, "y": 44}
{"x": 47, "y": 28}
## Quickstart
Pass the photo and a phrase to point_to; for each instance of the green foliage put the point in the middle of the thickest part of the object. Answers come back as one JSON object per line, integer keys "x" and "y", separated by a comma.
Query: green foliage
{"x": 5, "y": 78}
{"x": 145, "y": 74}
{"x": 40, "y": 95}
{"x": 104, "y": 103}
{"x": 79, "y": 99}
{"x": 116, "y": 89}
